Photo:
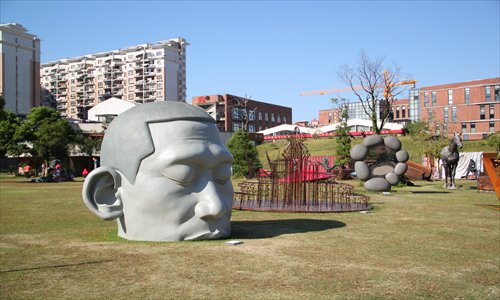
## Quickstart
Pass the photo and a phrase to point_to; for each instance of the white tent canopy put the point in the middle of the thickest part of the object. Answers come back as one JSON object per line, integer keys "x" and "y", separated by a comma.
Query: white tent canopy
{"x": 111, "y": 107}
{"x": 352, "y": 124}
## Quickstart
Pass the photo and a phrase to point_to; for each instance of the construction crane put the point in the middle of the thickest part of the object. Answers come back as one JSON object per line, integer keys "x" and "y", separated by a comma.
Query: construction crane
{"x": 387, "y": 92}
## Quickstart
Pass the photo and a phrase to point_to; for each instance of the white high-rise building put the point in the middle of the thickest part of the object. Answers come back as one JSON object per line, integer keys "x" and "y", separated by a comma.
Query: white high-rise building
{"x": 142, "y": 74}
{"x": 19, "y": 68}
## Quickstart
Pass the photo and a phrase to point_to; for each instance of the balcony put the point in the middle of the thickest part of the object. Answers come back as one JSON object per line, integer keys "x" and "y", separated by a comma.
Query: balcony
{"x": 140, "y": 82}
{"x": 117, "y": 86}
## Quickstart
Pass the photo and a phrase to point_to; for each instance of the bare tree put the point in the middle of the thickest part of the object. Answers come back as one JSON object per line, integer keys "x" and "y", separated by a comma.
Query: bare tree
{"x": 245, "y": 112}
{"x": 376, "y": 86}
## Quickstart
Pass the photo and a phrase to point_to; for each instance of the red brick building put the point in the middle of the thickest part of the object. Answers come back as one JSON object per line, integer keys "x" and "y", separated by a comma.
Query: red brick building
{"x": 329, "y": 116}
{"x": 400, "y": 111}
{"x": 230, "y": 112}
{"x": 471, "y": 107}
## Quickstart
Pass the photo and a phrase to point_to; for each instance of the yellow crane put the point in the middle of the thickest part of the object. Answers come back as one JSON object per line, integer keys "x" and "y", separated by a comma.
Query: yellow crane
{"x": 387, "y": 86}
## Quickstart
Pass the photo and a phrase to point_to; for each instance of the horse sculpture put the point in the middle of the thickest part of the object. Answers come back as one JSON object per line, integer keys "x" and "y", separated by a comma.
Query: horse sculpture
{"x": 450, "y": 157}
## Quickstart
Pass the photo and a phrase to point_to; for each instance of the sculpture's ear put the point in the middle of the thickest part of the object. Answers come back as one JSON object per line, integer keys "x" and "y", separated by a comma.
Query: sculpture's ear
{"x": 101, "y": 193}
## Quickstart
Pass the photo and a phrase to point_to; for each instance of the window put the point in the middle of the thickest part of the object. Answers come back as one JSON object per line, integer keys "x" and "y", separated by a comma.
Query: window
{"x": 130, "y": 96}
{"x": 450, "y": 97}
{"x": 284, "y": 119}
{"x": 472, "y": 127}
{"x": 426, "y": 99}
{"x": 445, "y": 118}
{"x": 279, "y": 119}
{"x": 464, "y": 127}
{"x": 453, "y": 114}
{"x": 397, "y": 112}
{"x": 251, "y": 128}
{"x": 236, "y": 126}
{"x": 482, "y": 114}
{"x": 492, "y": 111}
{"x": 445, "y": 128}
{"x": 272, "y": 117}
{"x": 236, "y": 113}
{"x": 159, "y": 86}
{"x": 251, "y": 116}
{"x": 433, "y": 98}
{"x": 130, "y": 73}
{"x": 429, "y": 113}
{"x": 438, "y": 129}
{"x": 159, "y": 93}
{"x": 492, "y": 126}
{"x": 467, "y": 95}
{"x": 266, "y": 117}
{"x": 260, "y": 116}
{"x": 403, "y": 111}
{"x": 260, "y": 128}
{"x": 497, "y": 92}
{"x": 487, "y": 93}
{"x": 99, "y": 84}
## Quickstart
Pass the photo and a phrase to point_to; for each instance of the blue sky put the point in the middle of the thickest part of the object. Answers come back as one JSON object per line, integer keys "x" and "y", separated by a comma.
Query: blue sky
{"x": 272, "y": 51}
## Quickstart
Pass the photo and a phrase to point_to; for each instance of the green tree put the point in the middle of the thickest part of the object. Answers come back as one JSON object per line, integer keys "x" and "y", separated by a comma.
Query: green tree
{"x": 493, "y": 141}
{"x": 343, "y": 138}
{"x": 87, "y": 146}
{"x": 9, "y": 144}
{"x": 426, "y": 143}
{"x": 49, "y": 135}
{"x": 244, "y": 154}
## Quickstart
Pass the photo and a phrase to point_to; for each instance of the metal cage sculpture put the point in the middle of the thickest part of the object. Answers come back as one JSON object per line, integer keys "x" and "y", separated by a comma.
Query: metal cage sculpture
{"x": 297, "y": 184}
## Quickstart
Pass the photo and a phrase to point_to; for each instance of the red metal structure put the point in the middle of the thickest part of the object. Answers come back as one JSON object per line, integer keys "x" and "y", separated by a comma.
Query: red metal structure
{"x": 296, "y": 183}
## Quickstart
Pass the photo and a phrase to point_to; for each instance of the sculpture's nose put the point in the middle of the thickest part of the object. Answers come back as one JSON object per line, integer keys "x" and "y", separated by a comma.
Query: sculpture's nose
{"x": 210, "y": 204}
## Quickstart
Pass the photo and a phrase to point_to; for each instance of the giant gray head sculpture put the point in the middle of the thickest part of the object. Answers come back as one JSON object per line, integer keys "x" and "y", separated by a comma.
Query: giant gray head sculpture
{"x": 165, "y": 175}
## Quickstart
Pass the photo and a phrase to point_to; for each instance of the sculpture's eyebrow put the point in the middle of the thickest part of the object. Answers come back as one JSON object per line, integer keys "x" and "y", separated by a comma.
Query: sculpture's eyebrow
{"x": 210, "y": 155}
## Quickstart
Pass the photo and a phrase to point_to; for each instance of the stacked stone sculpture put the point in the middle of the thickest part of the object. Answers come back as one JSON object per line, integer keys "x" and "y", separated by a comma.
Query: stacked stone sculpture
{"x": 379, "y": 162}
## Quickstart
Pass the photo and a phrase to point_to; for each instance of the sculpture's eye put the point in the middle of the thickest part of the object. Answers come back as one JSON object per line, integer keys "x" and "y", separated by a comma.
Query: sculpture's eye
{"x": 222, "y": 173}
{"x": 181, "y": 174}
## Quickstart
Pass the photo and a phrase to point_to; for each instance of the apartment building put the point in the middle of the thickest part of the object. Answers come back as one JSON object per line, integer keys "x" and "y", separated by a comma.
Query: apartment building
{"x": 470, "y": 107}
{"x": 233, "y": 112}
{"x": 19, "y": 68}
{"x": 140, "y": 74}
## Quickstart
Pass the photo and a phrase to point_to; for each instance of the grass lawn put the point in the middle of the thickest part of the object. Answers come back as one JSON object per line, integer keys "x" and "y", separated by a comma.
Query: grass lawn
{"x": 417, "y": 242}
